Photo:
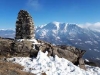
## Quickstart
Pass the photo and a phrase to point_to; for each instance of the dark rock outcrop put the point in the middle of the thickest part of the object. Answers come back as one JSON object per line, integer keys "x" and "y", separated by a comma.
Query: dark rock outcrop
{"x": 66, "y": 52}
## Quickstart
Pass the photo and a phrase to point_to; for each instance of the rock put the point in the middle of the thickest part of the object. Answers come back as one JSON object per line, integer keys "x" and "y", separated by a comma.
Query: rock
{"x": 24, "y": 26}
{"x": 82, "y": 64}
{"x": 66, "y": 52}
{"x": 74, "y": 50}
{"x": 91, "y": 63}
{"x": 22, "y": 48}
{"x": 5, "y": 48}
{"x": 33, "y": 53}
{"x": 10, "y": 48}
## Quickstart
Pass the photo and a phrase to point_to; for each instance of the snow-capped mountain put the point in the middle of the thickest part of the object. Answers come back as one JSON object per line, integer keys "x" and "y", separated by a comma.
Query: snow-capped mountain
{"x": 71, "y": 34}
{"x": 67, "y": 34}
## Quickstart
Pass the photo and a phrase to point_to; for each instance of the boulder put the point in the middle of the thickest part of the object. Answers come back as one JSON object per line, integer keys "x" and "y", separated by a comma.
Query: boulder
{"x": 65, "y": 54}
{"x": 68, "y": 52}
{"x": 22, "y": 48}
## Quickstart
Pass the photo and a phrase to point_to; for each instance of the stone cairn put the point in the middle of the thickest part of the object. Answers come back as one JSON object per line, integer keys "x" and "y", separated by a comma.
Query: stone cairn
{"x": 24, "y": 26}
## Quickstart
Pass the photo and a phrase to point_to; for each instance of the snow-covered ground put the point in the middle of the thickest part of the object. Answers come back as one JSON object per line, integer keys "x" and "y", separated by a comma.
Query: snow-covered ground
{"x": 34, "y": 41}
{"x": 52, "y": 66}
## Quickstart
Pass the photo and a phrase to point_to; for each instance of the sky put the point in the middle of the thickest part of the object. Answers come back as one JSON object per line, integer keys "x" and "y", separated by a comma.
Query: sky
{"x": 83, "y": 12}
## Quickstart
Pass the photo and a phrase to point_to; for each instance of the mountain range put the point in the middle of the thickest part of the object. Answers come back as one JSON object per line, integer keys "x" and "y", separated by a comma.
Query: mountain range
{"x": 67, "y": 34}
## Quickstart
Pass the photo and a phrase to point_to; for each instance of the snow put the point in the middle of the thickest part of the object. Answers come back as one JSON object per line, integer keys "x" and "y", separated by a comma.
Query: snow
{"x": 65, "y": 28}
{"x": 44, "y": 32}
{"x": 34, "y": 41}
{"x": 86, "y": 60}
{"x": 57, "y": 24}
{"x": 71, "y": 39}
{"x": 90, "y": 49}
{"x": 42, "y": 26}
{"x": 79, "y": 40}
{"x": 72, "y": 34}
{"x": 95, "y": 42}
{"x": 55, "y": 31}
{"x": 98, "y": 58}
{"x": 57, "y": 38}
{"x": 80, "y": 43}
{"x": 96, "y": 50}
{"x": 76, "y": 43}
{"x": 89, "y": 42}
{"x": 7, "y": 29}
{"x": 52, "y": 66}
{"x": 20, "y": 40}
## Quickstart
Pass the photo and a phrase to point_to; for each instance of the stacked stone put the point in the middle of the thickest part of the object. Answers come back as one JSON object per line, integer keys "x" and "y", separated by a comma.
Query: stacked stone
{"x": 24, "y": 26}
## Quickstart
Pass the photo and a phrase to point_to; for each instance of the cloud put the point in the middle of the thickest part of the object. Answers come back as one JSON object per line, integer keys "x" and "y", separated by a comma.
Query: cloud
{"x": 34, "y": 4}
{"x": 91, "y": 25}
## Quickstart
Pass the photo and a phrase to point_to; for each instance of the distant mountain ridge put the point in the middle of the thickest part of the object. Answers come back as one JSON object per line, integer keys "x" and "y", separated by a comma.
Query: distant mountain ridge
{"x": 71, "y": 34}
{"x": 66, "y": 34}
{"x": 7, "y": 33}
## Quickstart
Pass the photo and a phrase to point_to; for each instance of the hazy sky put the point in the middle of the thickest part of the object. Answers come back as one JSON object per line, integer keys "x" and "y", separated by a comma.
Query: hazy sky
{"x": 45, "y": 11}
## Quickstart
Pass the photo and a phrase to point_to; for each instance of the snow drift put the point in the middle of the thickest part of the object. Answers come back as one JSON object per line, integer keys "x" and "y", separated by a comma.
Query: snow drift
{"x": 52, "y": 66}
